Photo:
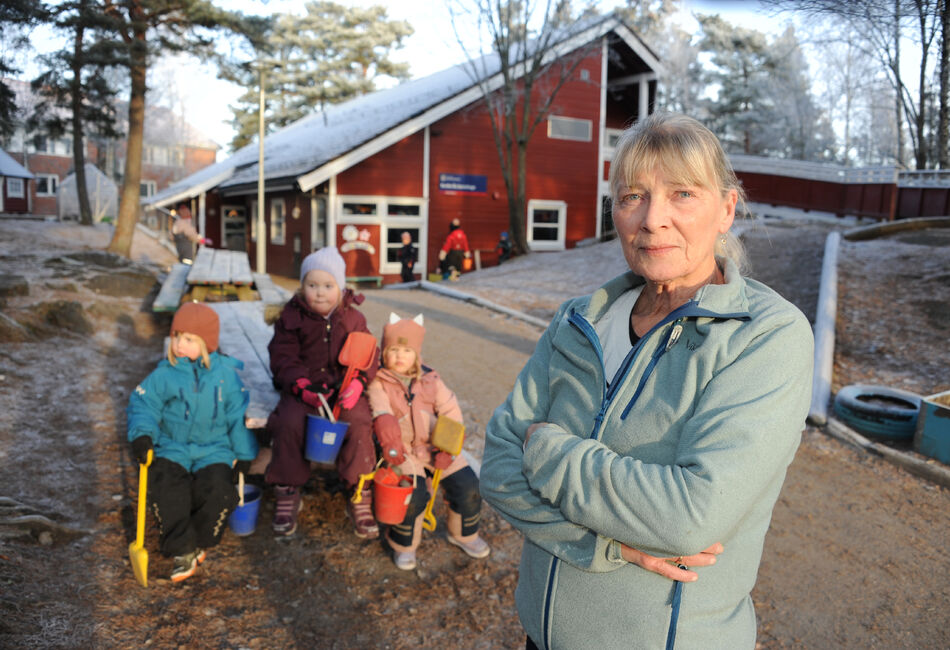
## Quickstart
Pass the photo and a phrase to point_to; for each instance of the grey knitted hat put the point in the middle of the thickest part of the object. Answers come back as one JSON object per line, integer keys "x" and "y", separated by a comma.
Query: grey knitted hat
{"x": 326, "y": 259}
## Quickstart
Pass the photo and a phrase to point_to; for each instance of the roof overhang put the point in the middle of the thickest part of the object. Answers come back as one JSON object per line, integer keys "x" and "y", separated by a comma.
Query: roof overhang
{"x": 193, "y": 190}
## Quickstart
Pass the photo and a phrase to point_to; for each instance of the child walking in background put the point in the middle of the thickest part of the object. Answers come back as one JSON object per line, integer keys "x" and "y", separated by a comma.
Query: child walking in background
{"x": 190, "y": 410}
{"x": 304, "y": 354}
{"x": 406, "y": 399}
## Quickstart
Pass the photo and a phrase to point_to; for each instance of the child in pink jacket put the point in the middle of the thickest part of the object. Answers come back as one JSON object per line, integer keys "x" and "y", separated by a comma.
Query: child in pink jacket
{"x": 406, "y": 398}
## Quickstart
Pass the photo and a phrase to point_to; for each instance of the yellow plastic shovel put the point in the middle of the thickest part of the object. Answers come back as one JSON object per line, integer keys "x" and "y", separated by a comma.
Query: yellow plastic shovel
{"x": 448, "y": 436}
{"x": 137, "y": 553}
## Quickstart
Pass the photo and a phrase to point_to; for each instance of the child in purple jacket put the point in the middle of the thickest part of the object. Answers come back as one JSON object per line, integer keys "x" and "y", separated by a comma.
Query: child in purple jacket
{"x": 304, "y": 354}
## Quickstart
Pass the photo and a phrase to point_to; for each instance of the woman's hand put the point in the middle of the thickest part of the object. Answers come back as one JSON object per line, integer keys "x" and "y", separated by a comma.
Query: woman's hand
{"x": 534, "y": 427}
{"x": 667, "y": 566}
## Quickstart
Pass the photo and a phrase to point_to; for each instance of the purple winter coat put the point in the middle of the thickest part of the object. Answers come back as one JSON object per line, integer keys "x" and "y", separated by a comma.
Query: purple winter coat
{"x": 306, "y": 344}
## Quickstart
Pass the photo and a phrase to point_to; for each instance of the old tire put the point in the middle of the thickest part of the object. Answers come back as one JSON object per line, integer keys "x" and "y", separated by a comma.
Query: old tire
{"x": 878, "y": 410}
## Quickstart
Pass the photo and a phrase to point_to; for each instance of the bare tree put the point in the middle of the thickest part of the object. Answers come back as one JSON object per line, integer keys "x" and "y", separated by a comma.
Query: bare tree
{"x": 520, "y": 82}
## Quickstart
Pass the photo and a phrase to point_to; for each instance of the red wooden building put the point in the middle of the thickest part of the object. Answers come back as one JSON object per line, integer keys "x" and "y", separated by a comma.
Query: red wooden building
{"x": 414, "y": 157}
{"x": 14, "y": 180}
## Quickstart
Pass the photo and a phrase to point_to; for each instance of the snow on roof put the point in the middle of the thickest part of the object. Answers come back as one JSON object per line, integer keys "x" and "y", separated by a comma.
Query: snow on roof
{"x": 317, "y": 139}
{"x": 10, "y": 167}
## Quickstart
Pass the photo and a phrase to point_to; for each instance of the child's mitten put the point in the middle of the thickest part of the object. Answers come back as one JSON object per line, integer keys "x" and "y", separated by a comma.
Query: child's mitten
{"x": 386, "y": 428}
{"x": 309, "y": 394}
{"x": 350, "y": 394}
{"x": 442, "y": 460}
{"x": 140, "y": 449}
{"x": 240, "y": 467}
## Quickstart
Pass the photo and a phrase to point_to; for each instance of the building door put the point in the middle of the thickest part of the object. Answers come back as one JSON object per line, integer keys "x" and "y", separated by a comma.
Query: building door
{"x": 234, "y": 227}
{"x": 318, "y": 223}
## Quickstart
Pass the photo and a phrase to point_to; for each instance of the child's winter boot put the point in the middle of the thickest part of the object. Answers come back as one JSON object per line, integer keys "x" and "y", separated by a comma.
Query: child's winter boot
{"x": 186, "y": 565}
{"x": 361, "y": 514}
{"x": 288, "y": 505}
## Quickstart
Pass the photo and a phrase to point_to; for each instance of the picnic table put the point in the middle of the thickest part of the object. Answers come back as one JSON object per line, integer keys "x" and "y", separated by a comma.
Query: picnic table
{"x": 218, "y": 273}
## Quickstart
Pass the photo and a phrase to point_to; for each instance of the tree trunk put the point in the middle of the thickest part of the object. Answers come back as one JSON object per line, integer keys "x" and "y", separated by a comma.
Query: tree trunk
{"x": 79, "y": 152}
{"x": 943, "y": 128}
{"x": 121, "y": 243}
{"x": 921, "y": 144}
{"x": 896, "y": 71}
{"x": 517, "y": 202}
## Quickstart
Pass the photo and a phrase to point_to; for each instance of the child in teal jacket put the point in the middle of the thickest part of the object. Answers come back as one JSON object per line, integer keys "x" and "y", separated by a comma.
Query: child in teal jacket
{"x": 190, "y": 410}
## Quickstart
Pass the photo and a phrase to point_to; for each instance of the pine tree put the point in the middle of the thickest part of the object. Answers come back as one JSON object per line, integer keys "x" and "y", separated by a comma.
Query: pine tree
{"x": 17, "y": 17}
{"x": 329, "y": 55}
{"x": 74, "y": 93}
{"x": 141, "y": 30}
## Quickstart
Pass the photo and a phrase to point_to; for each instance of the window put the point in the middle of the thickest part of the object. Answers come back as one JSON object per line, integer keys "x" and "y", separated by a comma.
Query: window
{"x": 146, "y": 189}
{"x": 546, "y": 225}
{"x": 394, "y": 243}
{"x": 277, "y": 221}
{"x": 46, "y": 184}
{"x": 568, "y": 128}
{"x": 253, "y": 220}
{"x": 611, "y": 138}
{"x": 15, "y": 188}
{"x": 41, "y": 144}
{"x": 398, "y": 210}
{"x": 359, "y": 209}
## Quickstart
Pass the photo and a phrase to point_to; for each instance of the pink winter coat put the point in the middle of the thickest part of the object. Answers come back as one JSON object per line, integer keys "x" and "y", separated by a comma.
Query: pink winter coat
{"x": 429, "y": 398}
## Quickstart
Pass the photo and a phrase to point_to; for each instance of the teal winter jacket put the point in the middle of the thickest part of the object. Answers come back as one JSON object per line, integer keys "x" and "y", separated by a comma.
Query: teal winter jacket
{"x": 687, "y": 445}
{"x": 194, "y": 415}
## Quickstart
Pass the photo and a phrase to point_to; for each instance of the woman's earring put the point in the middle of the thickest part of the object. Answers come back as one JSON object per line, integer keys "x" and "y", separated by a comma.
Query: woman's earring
{"x": 723, "y": 240}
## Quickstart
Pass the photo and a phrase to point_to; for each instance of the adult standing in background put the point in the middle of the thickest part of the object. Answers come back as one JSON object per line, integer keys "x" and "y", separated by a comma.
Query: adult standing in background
{"x": 185, "y": 235}
{"x": 454, "y": 249}
{"x": 650, "y": 432}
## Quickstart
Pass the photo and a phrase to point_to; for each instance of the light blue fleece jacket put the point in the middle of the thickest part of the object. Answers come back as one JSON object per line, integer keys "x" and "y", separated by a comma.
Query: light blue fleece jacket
{"x": 687, "y": 445}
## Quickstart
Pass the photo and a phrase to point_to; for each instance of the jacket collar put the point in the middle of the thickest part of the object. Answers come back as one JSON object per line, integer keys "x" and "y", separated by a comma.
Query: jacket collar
{"x": 727, "y": 300}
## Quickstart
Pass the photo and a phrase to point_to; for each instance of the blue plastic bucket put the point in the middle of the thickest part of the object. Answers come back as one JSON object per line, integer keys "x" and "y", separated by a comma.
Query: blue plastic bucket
{"x": 243, "y": 519}
{"x": 324, "y": 439}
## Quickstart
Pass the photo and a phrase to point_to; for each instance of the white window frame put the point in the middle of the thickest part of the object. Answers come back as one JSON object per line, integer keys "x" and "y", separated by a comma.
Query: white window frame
{"x": 610, "y": 149}
{"x": 386, "y": 223}
{"x": 15, "y": 188}
{"x": 47, "y": 177}
{"x": 546, "y": 244}
{"x": 150, "y": 188}
{"x": 278, "y": 227}
{"x": 554, "y": 119}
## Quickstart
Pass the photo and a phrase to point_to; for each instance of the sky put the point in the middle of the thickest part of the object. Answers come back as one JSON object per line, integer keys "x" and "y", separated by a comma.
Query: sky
{"x": 204, "y": 99}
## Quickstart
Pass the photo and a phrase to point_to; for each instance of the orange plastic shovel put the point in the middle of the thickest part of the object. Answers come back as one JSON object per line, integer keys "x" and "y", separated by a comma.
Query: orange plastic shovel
{"x": 137, "y": 553}
{"x": 448, "y": 436}
{"x": 357, "y": 354}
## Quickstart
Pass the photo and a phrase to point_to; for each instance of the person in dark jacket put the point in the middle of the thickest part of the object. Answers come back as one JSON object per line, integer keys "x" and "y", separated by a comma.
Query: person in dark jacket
{"x": 190, "y": 412}
{"x": 304, "y": 360}
{"x": 408, "y": 255}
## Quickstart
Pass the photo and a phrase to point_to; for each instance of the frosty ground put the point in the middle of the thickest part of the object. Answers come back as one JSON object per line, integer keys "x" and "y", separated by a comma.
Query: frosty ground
{"x": 854, "y": 558}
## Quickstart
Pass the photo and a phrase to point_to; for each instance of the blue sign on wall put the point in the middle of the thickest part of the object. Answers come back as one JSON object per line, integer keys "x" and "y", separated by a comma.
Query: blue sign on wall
{"x": 463, "y": 184}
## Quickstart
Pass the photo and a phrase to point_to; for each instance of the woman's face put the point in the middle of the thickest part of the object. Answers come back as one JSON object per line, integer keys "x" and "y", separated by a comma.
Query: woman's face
{"x": 320, "y": 292}
{"x": 668, "y": 230}
{"x": 399, "y": 358}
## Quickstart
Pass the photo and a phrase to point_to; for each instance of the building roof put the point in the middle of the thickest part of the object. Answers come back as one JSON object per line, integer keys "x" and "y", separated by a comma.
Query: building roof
{"x": 10, "y": 167}
{"x": 318, "y": 146}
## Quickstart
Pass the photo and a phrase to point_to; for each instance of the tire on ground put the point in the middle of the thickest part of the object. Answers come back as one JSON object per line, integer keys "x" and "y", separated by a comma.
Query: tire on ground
{"x": 878, "y": 410}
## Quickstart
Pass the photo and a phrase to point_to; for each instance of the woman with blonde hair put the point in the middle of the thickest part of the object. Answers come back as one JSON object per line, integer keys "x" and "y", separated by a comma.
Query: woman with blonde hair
{"x": 646, "y": 440}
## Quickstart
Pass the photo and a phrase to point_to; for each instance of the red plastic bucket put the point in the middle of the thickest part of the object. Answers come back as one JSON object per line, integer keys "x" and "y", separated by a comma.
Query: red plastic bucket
{"x": 391, "y": 496}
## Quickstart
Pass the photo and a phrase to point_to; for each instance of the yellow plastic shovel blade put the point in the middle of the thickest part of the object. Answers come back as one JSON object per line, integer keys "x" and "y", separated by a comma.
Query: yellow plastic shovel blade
{"x": 138, "y": 556}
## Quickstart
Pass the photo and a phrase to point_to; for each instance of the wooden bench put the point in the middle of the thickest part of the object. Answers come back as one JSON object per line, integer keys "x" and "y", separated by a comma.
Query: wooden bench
{"x": 269, "y": 292}
{"x": 169, "y": 296}
{"x": 356, "y": 279}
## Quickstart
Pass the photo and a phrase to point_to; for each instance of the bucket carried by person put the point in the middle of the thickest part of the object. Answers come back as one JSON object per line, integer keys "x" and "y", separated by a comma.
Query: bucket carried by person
{"x": 243, "y": 519}
{"x": 324, "y": 435}
{"x": 392, "y": 492}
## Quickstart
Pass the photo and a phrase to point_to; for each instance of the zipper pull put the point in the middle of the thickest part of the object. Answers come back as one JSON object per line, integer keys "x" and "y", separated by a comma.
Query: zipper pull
{"x": 674, "y": 336}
